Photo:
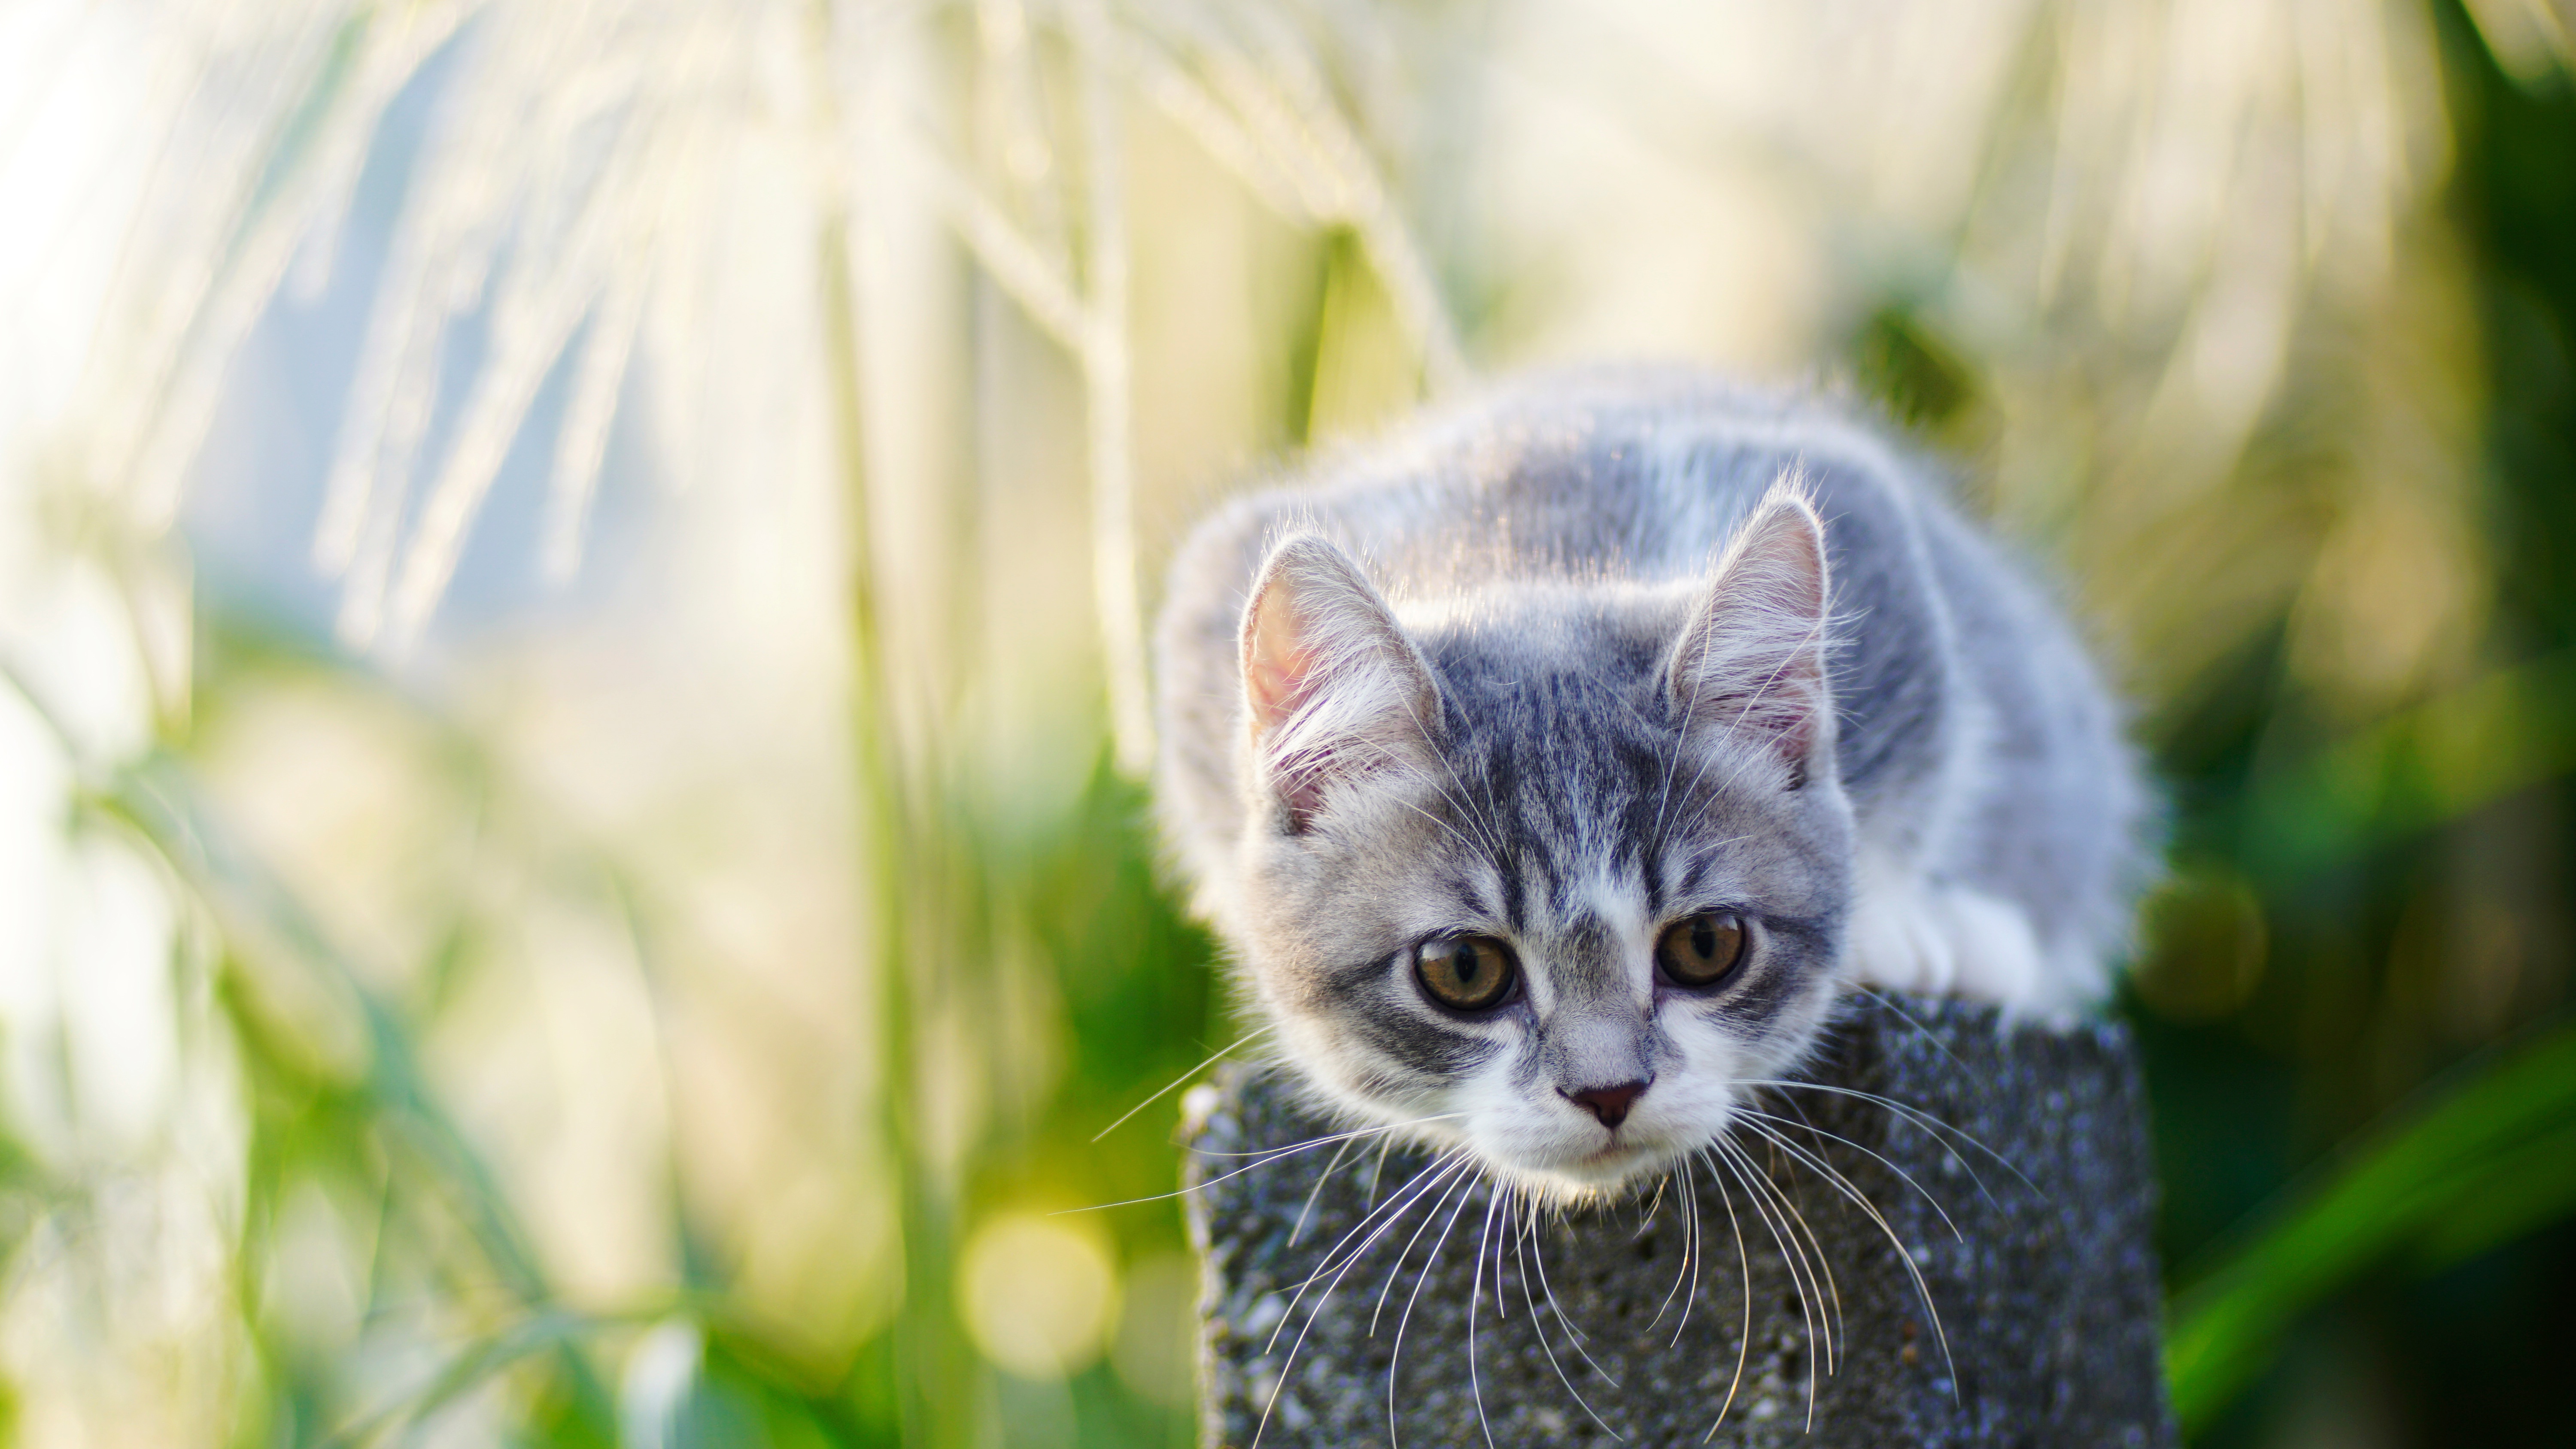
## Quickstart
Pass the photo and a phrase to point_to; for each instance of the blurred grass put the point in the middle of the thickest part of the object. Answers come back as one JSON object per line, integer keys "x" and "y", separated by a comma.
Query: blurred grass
{"x": 2490, "y": 1160}
{"x": 1136, "y": 998}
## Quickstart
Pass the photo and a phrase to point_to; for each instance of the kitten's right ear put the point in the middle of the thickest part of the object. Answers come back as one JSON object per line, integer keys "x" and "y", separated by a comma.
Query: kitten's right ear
{"x": 1752, "y": 658}
{"x": 1332, "y": 688}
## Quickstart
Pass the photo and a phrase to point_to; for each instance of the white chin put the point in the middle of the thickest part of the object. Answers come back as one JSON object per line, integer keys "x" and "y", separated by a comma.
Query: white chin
{"x": 1593, "y": 1175}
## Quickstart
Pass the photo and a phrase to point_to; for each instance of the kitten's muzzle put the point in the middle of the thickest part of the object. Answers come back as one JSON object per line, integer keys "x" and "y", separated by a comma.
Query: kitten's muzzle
{"x": 1610, "y": 1104}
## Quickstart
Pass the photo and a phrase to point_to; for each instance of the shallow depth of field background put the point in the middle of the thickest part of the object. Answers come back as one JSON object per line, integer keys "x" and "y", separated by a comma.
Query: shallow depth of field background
{"x": 571, "y": 862}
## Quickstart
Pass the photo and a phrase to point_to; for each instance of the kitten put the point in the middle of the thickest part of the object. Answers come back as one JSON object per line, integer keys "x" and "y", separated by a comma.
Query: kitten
{"x": 1551, "y": 768}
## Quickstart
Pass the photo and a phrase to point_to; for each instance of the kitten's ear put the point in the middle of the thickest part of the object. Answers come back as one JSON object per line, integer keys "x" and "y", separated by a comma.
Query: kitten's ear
{"x": 1752, "y": 658}
{"x": 1332, "y": 687}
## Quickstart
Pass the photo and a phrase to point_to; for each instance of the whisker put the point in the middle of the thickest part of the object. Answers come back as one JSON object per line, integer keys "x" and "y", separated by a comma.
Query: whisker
{"x": 1384, "y": 1146}
{"x": 1929, "y": 1200}
{"x": 1489, "y": 842}
{"x": 1940, "y": 1131}
{"x": 1860, "y": 1199}
{"x": 1901, "y": 1015}
{"x": 1491, "y": 834}
{"x": 1476, "y": 1292}
{"x": 1522, "y": 1229}
{"x": 1822, "y": 1266}
{"x": 1694, "y": 1246}
{"x": 1396, "y": 1269}
{"x": 1369, "y": 1131}
{"x": 1395, "y": 1209}
{"x": 1266, "y": 1159}
{"x": 1395, "y": 1355}
{"x": 1303, "y": 1212}
{"x": 1666, "y": 1305}
{"x": 1835, "y": 1321}
{"x": 1397, "y": 1206}
{"x": 1455, "y": 833}
{"x": 1653, "y": 1205}
{"x": 1744, "y": 1265}
{"x": 1793, "y": 1259}
{"x": 1213, "y": 1058}
{"x": 1573, "y": 1334}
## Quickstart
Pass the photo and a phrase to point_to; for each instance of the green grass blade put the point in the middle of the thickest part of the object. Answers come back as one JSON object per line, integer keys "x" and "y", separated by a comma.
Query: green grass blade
{"x": 2484, "y": 1163}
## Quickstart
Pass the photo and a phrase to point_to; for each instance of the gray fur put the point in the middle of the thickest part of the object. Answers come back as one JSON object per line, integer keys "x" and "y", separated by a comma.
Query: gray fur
{"x": 1962, "y": 814}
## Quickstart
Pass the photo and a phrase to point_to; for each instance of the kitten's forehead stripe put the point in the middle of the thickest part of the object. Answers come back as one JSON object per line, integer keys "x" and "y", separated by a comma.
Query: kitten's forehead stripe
{"x": 1584, "y": 957}
{"x": 1515, "y": 890}
{"x": 1695, "y": 874}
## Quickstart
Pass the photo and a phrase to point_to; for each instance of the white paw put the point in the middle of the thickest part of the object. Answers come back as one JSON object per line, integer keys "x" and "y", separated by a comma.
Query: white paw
{"x": 1945, "y": 940}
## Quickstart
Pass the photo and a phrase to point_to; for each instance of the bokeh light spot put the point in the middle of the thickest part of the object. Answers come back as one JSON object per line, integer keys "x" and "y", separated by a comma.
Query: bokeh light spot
{"x": 1040, "y": 1294}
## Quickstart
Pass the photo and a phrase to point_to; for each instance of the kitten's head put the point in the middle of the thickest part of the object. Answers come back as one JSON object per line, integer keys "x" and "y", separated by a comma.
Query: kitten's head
{"x": 1550, "y": 871}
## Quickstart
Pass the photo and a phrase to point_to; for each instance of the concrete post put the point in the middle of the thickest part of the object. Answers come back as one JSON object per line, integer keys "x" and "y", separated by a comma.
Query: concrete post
{"x": 2035, "y": 1324}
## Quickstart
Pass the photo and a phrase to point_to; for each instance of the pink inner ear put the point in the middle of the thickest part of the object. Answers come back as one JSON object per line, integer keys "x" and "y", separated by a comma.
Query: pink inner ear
{"x": 1281, "y": 673}
{"x": 1278, "y": 669}
{"x": 1333, "y": 689}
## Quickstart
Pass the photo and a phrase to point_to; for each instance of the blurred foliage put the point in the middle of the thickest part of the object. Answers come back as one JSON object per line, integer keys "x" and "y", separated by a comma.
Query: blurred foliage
{"x": 2490, "y": 1162}
{"x": 2408, "y": 872}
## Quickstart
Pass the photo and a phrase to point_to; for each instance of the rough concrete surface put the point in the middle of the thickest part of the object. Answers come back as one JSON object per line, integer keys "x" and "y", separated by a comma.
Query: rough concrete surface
{"x": 2047, "y": 1295}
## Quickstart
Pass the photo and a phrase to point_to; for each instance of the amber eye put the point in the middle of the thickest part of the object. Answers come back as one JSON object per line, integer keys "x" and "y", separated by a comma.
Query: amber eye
{"x": 1464, "y": 973}
{"x": 1700, "y": 950}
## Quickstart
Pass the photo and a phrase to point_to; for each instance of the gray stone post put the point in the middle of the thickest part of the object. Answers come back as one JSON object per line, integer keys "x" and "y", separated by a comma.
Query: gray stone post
{"x": 2036, "y": 1323}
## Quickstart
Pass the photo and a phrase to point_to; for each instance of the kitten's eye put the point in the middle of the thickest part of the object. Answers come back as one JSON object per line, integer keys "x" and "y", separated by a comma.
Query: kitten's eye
{"x": 1701, "y": 950}
{"x": 1464, "y": 973}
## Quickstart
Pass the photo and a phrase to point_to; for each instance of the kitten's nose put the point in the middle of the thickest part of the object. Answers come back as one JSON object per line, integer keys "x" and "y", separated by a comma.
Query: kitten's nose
{"x": 1610, "y": 1104}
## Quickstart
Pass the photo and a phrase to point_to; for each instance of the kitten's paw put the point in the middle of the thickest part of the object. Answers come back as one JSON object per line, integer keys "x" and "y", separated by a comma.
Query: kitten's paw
{"x": 1947, "y": 941}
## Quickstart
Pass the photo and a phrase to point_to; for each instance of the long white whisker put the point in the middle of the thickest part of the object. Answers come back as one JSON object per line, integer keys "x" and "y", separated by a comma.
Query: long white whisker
{"x": 1798, "y": 1214}
{"x": 1354, "y": 1132}
{"x": 1666, "y": 1305}
{"x": 1901, "y": 1015}
{"x": 1527, "y": 1225}
{"x": 1491, "y": 837}
{"x": 1298, "y": 1230}
{"x": 1793, "y": 1258}
{"x": 1396, "y": 1207}
{"x": 1475, "y": 1292}
{"x": 1336, "y": 1262}
{"x": 1940, "y": 1131}
{"x": 1265, "y": 1159}
{"x": 1654, "y": 1204}
{"x": 1744, "y": 1266}
{"x": 1573, "y": 1334}
{"x": 1395, "y": 1355}
{"x": 1834, "y": 1320}
{"x": 1487, "y": 843}
{"x": 1459, "y": 835}
{"x": 1692, "y": 1251}
{"x": 1213, "y": 1058}
{"x": 1384, "y": 1146}
{"x": 1396, "y": 1269}
{"x": 1908, "y": 1178}
{"x": 1862, "y": 1201}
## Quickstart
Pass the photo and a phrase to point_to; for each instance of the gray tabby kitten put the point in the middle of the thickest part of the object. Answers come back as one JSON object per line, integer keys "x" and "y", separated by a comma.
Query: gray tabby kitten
{"x": 1551, "y": 768}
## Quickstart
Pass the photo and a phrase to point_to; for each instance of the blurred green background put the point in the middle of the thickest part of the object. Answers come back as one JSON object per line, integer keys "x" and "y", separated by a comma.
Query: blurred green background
{"x": 571, "y": 582}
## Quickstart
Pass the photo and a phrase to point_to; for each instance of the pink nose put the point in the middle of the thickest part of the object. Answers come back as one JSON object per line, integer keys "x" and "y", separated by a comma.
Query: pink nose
{"x": 1610, "y": 1104}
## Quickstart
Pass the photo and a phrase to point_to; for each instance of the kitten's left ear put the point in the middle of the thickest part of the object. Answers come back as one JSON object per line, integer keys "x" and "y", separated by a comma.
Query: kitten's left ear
{"x": 1333, "y": 688}
{"x": 1751, "y": 660}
